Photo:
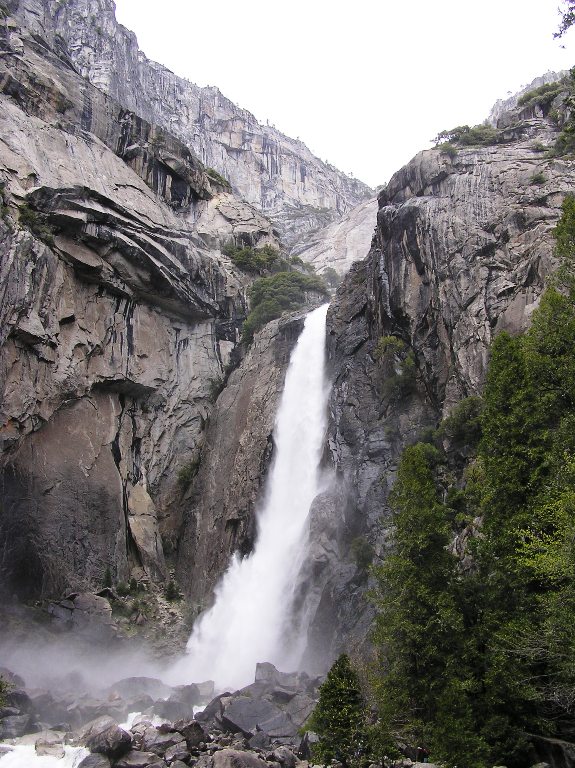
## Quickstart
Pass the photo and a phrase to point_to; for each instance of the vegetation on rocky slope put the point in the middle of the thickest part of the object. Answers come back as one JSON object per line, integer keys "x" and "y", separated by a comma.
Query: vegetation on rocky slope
{"x": 477, "y": 652}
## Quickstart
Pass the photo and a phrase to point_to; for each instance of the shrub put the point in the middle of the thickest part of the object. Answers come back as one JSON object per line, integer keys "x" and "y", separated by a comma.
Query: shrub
{"x": 172, "y": 593}
{"x": 447, "y": 148}
{"x": 362, "y": 552}
{"x": 542, "y": 96}
{"x": 218, "y": 178}
{"x": 32, "y": 221}
{"x": 396, "y": 363}
{"x": 331, "y": 277}
{"x": 463, "y": 425}
{"x": 538, "y": 178}
{"x": 122, "y": 589}
{"x": 259, "y": 261}
{"x": 107, "y": 580}
{"x": 187, "y": 473}
{"x": 463, "y": 135}
{"x": 283, "y": 292}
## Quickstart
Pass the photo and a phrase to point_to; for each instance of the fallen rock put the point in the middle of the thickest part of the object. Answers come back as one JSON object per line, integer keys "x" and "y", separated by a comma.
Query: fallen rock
{"x": 178, "y": 752}
{"x": 248, "y": 715}
{"x": 112, "y": 741}
{"x": 284, "y": 757}
{"x": 95, "y": 761}
{"x": 14, "y": 726}
{"x": 51, "y": 745}
{"x": 192, "y": 732}
{"x": 137, "y": 759}
{"x": 232, "y": 758}
{"x": 158, "y": 743}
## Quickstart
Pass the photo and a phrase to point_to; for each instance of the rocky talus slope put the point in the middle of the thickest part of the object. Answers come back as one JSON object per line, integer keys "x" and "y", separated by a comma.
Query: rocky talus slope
{"x": 277, "y": 174}
{"x": 118, "y": 312}
{"x": 462, "y": 250}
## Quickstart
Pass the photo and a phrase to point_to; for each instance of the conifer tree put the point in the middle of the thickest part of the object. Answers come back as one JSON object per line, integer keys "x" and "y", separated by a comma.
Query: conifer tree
{"x": 339, "y": 718}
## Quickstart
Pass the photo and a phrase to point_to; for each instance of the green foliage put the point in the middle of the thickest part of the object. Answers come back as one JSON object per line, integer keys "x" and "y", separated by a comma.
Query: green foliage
{"x": 259, "y": 261}
{"x": 538, "y": 178}
{"x": 397, "y": 368}
{"x": 4, "y": 688}
{"x": 107, "y": 580}
{"x": 271, "y": 296}
{"x": 363, "y": 553}
{"x": 471, "y": 660}
{"x": 463, "y": 426}
{"x": 567, "y": 17}
{"x": 448, "y": 149}
{"x": 218, "y": 178}
{"x": 339, "y": 718}
{"x": 122, "y": 589}
{"x": 464, "y": 136}
{"x": 331, "y": 277}
{"x": 172, "y": 593}
{"x": 565, "y": 143}
{"x": 188, "y": 472}
{"x": 542, "y": 96}
{"x": 32, "y": 220}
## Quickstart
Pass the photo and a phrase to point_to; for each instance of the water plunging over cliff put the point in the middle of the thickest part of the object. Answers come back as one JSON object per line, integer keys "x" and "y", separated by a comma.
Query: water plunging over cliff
{"x": 249, "y": 621}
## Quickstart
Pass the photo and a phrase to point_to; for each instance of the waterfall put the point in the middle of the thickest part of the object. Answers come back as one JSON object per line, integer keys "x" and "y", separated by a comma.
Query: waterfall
{"x": 250, "y": 619}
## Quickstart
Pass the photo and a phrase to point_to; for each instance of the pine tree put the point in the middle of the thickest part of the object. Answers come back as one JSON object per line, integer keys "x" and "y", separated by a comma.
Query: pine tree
{"x": 339, "y": 718}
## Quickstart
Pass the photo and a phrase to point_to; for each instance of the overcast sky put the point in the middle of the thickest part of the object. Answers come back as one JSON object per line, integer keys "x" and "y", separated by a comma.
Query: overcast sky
{"x": 364, "y": 83}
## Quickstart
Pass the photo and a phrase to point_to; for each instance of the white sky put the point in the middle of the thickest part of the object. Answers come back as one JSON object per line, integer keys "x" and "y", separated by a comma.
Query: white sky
{"x": 366, "y": 83}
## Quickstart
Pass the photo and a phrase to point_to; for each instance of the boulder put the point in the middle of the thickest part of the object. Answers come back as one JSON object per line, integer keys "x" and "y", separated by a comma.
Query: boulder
{"x": 176, "y": 753}
{"x": 112, "y": 741}
{"x": 95, "y": 761}
{"x": 284, "y": 756}
{"x": 137, "y": 759}
{"x": 88, "y": 730}
{"x": 50, "y": 745}
{"x": 131, "y": 687}
{"x": 159, "y": 743}
{"x": 233, "y": 758}
{"x": 192, "y": 732}
{"x": 14, "y": 726}
{"x": 246, "y": 715}
{"x": 259, "y": 740}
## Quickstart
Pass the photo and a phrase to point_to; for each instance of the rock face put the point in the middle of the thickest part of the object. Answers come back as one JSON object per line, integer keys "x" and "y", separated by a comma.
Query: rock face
{"x": 343, "y": 242}
{"x": 117, "y": 312}
{"x": 462, "y": 250}
{"x": 277, "y": 174}
{"x": 219, "y": 511}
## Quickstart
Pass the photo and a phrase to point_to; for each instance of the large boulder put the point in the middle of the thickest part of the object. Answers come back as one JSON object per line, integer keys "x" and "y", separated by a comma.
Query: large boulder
{"x": 112, "y": 741}
{"x": 158, "y": 743}
{"x": 137, "y": 759}
{"x": 247, "y": 715}
{"x": 95, "y": 761}
{"x": 232, "y": 758}
{"x": 13, "y": 726}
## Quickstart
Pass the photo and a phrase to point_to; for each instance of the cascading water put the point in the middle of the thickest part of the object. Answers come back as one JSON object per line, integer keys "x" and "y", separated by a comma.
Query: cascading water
{"x": 249, "y": 621}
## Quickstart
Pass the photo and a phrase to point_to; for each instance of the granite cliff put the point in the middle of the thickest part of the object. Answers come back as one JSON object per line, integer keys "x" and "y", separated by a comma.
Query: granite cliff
{"x": 277, "y": 174}
{"x": 118, "y": 311}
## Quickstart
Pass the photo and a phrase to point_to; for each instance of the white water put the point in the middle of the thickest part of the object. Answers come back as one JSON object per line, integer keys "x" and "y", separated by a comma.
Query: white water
{"x": 26, "y": 757}
{"x": 249, "y": 621}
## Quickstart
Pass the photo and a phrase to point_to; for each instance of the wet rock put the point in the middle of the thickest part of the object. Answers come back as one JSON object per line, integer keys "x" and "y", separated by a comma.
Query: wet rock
{"x": 306, "y": 745}
{"x": 231, "y": 758}
{"x": 95, "y": 761}
{"x": 159, "y": 743}
{"x": 13, "y": 726}
{"x": 247, "y": 715}
{"x": 137, "y": 759}
{"x": 193, "y": 733}
{"x": 51, "y": 746}
{"x": 284, "y": 757}
{"x": 112, "y": 741}
{"x": 177, "y": 752}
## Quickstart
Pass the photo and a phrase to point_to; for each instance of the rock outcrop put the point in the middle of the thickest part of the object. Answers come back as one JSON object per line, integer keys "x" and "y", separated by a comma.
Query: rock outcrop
{"x": 268, "y": 169}
{"x": 462, "y": 250}
{"x": 118, "y": 311}
{"x": 343, "y": 242}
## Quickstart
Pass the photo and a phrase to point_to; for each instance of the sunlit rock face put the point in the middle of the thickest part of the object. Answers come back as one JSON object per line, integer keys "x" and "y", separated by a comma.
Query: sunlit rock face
{"x": 462, "y": 250}
{"x": 272, "y": 171}
{"x": 118, "y": 312}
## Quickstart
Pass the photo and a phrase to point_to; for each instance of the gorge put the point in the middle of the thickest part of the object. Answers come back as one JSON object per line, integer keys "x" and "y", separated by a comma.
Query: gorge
{"x": 162, "y": 475}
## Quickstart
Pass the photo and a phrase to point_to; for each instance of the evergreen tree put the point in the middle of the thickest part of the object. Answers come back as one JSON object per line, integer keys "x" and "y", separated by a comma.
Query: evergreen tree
{"x": 339, "y": 718}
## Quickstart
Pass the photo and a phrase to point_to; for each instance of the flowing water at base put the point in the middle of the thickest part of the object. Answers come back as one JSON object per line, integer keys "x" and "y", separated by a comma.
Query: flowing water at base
{"x": 250, "y": 619}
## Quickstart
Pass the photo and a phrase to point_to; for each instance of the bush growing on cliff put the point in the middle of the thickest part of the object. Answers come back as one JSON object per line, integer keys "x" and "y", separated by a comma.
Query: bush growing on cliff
{"x": 396, "y": 363}
{"x": 258, "y": 261}
{"x": 464, "y": 136}
{"x": 270, "y": 297}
